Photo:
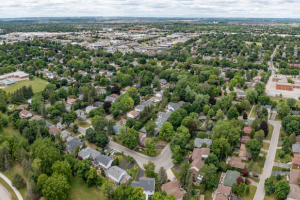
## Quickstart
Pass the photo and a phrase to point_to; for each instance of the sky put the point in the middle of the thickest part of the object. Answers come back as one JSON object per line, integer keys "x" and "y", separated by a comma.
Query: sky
{"x": 151, "y": 8}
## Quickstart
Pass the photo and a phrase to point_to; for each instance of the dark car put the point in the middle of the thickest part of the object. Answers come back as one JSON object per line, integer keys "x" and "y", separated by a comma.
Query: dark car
{"x": 108, "y": 154}
{"x": 255, "y": 175}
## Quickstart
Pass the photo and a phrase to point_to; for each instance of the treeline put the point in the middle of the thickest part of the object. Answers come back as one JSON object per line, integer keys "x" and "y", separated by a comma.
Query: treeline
{"x": 22, "y": 94}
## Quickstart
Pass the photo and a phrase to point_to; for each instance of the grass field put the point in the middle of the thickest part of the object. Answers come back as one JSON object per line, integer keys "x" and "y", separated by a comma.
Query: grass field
{"x": 9, "y": 189}
{"x": 157, "y": 152}
{"x": 271, "y": 128}
{"x": 37, "y": 84}
{"x": 287, "y": 157}
{"x": 270, "y": 197}
{"x": 133, "y": 171}
{"x": 80, "y": 190}
{"x": 277, "y": 99}
{"x": 10, "y": 130}
{"x": 120, "y": 157}
{"x": 257, "y": 43}
{"x": 250, "y": 196}
{"x": 266, "y": 145}
{"x": 84, "y": 124}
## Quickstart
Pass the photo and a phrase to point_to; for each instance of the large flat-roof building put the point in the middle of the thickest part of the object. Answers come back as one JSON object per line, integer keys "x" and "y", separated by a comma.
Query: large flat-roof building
{"x": 11, "y": 78}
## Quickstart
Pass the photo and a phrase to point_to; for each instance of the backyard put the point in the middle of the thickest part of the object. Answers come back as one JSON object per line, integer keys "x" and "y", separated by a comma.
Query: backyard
{"x": 37, "y": 84}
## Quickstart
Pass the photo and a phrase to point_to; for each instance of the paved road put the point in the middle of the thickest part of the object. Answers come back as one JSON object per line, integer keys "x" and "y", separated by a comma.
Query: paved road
{"x": 260, "y": 192}
{"x": 163, "y": 160}
{"x": 9, "y": 183}
{"x": 4, "y": 194}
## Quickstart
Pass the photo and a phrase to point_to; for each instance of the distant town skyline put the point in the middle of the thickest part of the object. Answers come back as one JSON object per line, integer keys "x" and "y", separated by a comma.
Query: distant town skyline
{"x": 153, "y": 8}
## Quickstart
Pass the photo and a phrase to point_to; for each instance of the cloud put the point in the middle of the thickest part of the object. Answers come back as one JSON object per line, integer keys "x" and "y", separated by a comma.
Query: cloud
{"x": 151, "y": 8}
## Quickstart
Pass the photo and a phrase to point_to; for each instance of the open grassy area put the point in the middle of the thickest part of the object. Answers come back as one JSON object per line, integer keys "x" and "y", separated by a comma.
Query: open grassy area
{"x": 133, "y": 171}
{"x": 253, "y": 113}
{"x": 275, "y": 168}
{"x": 266, "y": 145}
{"x": 257, "y": 43}
{"x": 287, "y": 157}
{"x": 270, "y": 197}
{"x": 70, "y": 130}
{"x": 277, "y": 99}
{"x": 84, "y": 124}
{"x": 16, "y": 168}
{"x": 10, "y": 130}
{"x": 260, "y": 162}
{"x": 9, "y": 189}
{"x": 282, "y": 132}
{"x": 176, "y": 174}
{"x": 271, "y": 128}
{"x": 251, "y": 194}
{"x": 157, "y": 152}
{"x": 120, "y": 157}
{"x": 37, "y": 84}
{"x": 80, "y": 190}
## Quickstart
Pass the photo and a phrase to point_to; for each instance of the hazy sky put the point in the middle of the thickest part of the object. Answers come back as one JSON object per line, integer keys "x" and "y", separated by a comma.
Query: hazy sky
{"x": 151, "y": 8}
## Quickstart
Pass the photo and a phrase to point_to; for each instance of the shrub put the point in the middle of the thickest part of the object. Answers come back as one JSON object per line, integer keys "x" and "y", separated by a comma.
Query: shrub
{"x": 278, "y": 177}
{"x": 202, "y": 135}
{"x": 281, "y": 154}
{"x": 248, "y": 190}
{"x": 244, "y": 172}
{"x": 18, "y": 181}
{"x": 239, "y": 180}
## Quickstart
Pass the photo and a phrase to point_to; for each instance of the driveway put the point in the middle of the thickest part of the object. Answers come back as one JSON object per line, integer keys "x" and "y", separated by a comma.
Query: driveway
{"x": 170, "y": 174}
{"x": 122, "y": 165}
{"x": 285, "y": 165}
{"x": 260, "y": 192}
{"x": 140, "y": 174}
{"x": 9, "y": 183}
{"x": 163, "y": 160}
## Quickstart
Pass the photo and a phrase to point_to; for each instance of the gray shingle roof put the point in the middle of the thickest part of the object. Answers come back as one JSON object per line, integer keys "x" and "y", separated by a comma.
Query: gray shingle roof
{"x": 198, "y": 142}
{"x": 89, "y": 152}
{"x": 296, "y": 148}
{"x": 147, "y": 183}
{"x": 115, "y": 172}
{"x": 174, "y": 106}
{"x": 103, "y": 159}
{"x": 72, "y": 144}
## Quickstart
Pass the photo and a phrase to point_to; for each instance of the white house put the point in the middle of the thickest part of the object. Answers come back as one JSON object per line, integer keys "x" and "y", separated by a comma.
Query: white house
{"x": 139, "y": 108}
{"x": 173, "y": 106}
{"x": 117, "y": 175}
{"x": 148, "y": 184}
{"x": 25, "y": 113}
{"x": 159, "y": 94}
{"x": 103, "y": 161}
{"x": 89, "y": 108}
{"x": 133, "y": 114}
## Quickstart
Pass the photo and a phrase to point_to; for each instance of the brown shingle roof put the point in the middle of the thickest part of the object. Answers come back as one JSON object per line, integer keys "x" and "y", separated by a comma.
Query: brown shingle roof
{"x": 296, "y": 159}
{"x": 173, "y": 187}
{"x": 237, "y": 163}
{"x": 245, "y": 139}
{"x": 247, "y": 129}
{"x": 54, "y": 130}
{"x": 25, "y": 112}
{"x": 294, "y": 174}
{"x": 223, "y": 192}
{"x": 23, "y": 106}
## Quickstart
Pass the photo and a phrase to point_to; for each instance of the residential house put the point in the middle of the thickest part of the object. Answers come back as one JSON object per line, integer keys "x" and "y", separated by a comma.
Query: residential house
{"x": 222, "y": 193}
{"x": 298, "y": 139}
{"x": 175, "y": 188}
{"x": 296, "y": 161}
{"x": 293, "y": 112}
{"x": 296, "y": 148}
{"x": 80, "y": 113}
{"x": 89, "y": 153}
{"x": 143, "y": 138}
{"x": 231, "y": 177}
{"x": 181, "y": 103}
{"x": 116, "y": 128}
{"x": 35, "y": 117}
{"x": 139, "y": 108}
{"x": 245, "y": 139}
{"x": 102, "y": 72}
{"x": 199, "y": 141}
{"x": 53, "y": 130}
{"x": 110, "y": 99}
{"x": 197, "y": 161}
{"x": 148, "y": 184}
{"x": 25, "y": 114}
{"x": 165, "y": 115}
{"x": 98, "y": 104}
{"x": 173, "y": 106}
{"x": 103, "y": 161}
{"x": 115, "y": 96}
{"x": 163, "y": 81}
{"x": 68, "y": 108}
{"x": 236, "y": 162}
{"x": 244, "y": 153}
{"x": 147, "y": 103}
{"x": 71, "y": 102}
{"x": 247, "y": 130}
{"x": 134, "y": 114}
{"x": 294, "y": 193}
{"x": 110, "y": 73}
{"x": 89, "y": 108}
{"x": 72, "y": 144}
{"x": 159, "y": 94}
{"x": 22, "y": 107}
{"x": 117, "y": 175}
{"x": 65, "y": 134}
{"x": 122, "y": 121}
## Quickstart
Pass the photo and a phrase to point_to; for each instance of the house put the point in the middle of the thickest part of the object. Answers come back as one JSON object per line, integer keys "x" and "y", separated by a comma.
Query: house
{"x": 72, "y": 144}
{"x": 294, "y": 193}
{"x": 236, "y": 162}
{"x": 117, "y": 175}
{"x": 110, "y": 73}
{"x": 122, "y": 121}
{"x": 298, "y": 139}
{"x": 89, "y": 108}
{"x": 98, "y": 104}
{"x": 222, "y": 193}
{"x": 197, "y": 161}
{"x": 148, "y": 103}
{"x": 231, "y": 177}
{"x": 294, "y": 174}
{"x": 35, "y": 117}
{"x": 68, "y": 108}
{"x": 163, "y": 81}
{"x": 116, "y": 128}
{"x": 53, "y": 130}
{"x": 159, "y": 94}
{"x": 199, "y": 141}
{"x": 181, "y": 103}
{"x": 245, "y": 139}
{"x": 175, "y": 188}
{"x": 165, "y": 115}
{"x": 89, "y": 153}
{"x": 102, "y": 72}
{"x": 296, "y": 148}
{"x": 296, "y": 161}
{"x": 71, "y": 102}
{"x": 173, "y": 106}
{"x": 114, "y": 96}
{"x": 65, "y": 134}
{"x": 247, "y": 130}
{"x": 134, "y": 114}
{"x": 23, "y": 106}
{"x": 148, "y": 184}
{"x": 143, "y": 142}
{"x": 143, "y": 138}
{"x": 139, "y": 108}
{"x": 103, "y": 161}
{"x": 294, "y": 112}
{"x": 244, "y": 153}
{"x": 25, "y": 113}
{"x": 110, "y": 99}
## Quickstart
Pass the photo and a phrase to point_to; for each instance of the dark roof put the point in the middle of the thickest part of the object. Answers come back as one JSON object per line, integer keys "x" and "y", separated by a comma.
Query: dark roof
{"x": 294, "y": 112}
{"x": 72, "y": 144}
{"x": 148, "y": 184}
{"x": 98, "y": 104}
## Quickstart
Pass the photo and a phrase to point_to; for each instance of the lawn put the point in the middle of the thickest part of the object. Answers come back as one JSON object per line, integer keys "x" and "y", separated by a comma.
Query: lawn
{"x": 9, "y": 189}
{"x": 157, "y": 152}
{"x": 93, "y": 145}
{"x": 266, "y": 145}
{"x": 84, "y": 124}
{"x": 277, "y": 99}
{"x": 270, "y": 197}
{"x": 280, "y": 139}
{"x": 80, "y": 190}
{"x": 287, "y": 157}
{"x": 250, "y": 196}
{"x": 260, "y": 162}
{"x": 37, "y": 84}
{"x": 269, "y": 136}
{"x": 70, "y": 130}
{"x": 120, "y": 157}
{"x": 176, "y": 174}
{"x": 253, "y": 114}
{"x": 10, "y": 130}
{"x": 276, "y": 168}
{"x": 257, "y": 43}
{"x": 16, "y": 168}
{"x": 133, "y": 171}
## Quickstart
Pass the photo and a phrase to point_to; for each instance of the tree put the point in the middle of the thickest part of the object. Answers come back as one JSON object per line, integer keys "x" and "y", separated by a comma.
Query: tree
{"x": 93, "y": 178}
{"x": 75, "y": 128}
{"x": 129, "y": 137}
{"x": 149, "y": 169}
{"x": 162, "y": 175}
{"x": 177, "y": 116}
{"x": 220, "y": 115}
{"x": 255, "y": 168}
{"x": 36, "y": 104}
{"x": 209, "y": 173}
{"x": 150, "y": 128}
{"x": 250, "y": 165}
{"x": 90, "y": 135}
{"x": 245, "y": 172}
{"x": 67, "y": 118}
{"x": 99, "y": 122}
{"x": 167, "y": 131}
{"x": 233, "y": 113}
{"x": 220, "y": 147}
{"x": 292, "y": 139}
{"x": 291, "y": 102}
{"x": 180, "y": 140}
{"x": 107, "y": 189}
{"x": 110, "y": 127}
{"x": 240, "y": 189}
{"x": 62, "y": 168}
{"x": 213, "y": 159}
{"x": 106, "y": 106}
{"x": 269, "y": 185}
{"x": 52, "y": 99}
{"x": 282, "y": 189}
{"x": 254, "y": 125}
{"x": 150, "y": 146}
{"x": 245, "y": 116}
{"x": 177, "y": 157}
{"x": 259, "y": 136}
{"x": 62, "y": 93}
{"x": 57, "y": 183}
{"x": 116, "y": 107}
{"x": 254, "y": 147}
{"x": 41, "y": 181}
{"x": 246, "y": 104}
{"x": 18, "y": 181}
{"x": 192, "y": 126}
{"x": 185, "y": 131}
{"x": 184, "y": 170}
{"x": 283, "y": 109}
{"x": 251, "y": 95}
{"x": 32, "y": 191}
{"x": 101, "y": 139}
{"x": 264, "y": 126}
{"x": 234, "y": 187}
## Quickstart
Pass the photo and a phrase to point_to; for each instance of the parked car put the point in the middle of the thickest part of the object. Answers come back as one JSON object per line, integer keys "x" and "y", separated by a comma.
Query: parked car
{"x": 108, "y": 154}
{"x": 112, "y": 153}
{"x": 255, "y": 175}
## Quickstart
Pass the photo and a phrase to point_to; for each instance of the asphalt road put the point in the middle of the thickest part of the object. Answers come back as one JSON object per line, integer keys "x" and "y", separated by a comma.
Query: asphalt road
{"x": 4, "y": 194}
{"x": 267, "y": 170}
{"x": 163, "y": 160}
{"x": 9, "y": 183}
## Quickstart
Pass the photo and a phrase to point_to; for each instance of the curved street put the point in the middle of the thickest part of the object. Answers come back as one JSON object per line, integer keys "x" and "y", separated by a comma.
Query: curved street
{"x": 9, "y": 183}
